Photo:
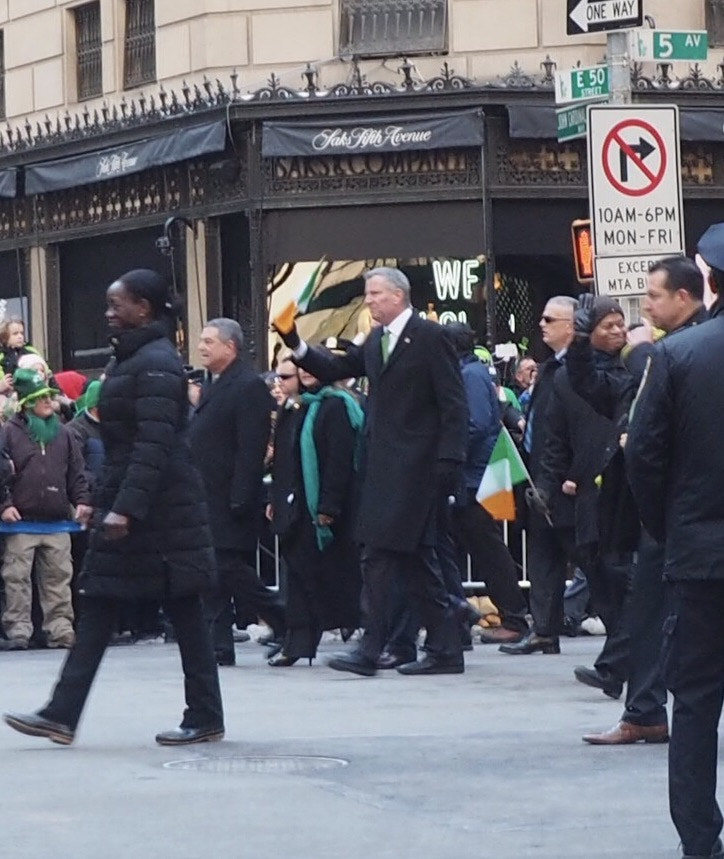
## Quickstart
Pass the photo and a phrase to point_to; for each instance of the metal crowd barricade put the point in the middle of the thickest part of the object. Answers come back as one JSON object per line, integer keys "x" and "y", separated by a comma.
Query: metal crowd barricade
{"x": 469, "y": 583}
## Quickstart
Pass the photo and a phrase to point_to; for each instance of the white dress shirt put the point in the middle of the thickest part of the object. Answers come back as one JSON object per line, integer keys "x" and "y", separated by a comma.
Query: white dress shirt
{"x": 396, "y": 327}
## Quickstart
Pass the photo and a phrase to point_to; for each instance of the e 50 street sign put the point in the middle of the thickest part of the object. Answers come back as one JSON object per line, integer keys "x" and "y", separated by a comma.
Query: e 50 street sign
{"x": 670, "y": 45}
{"x": 582, "y": 84}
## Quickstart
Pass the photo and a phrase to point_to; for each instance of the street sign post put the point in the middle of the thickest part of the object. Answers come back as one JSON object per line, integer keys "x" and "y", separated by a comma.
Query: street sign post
{"x": 598, "y": 16}
{"x": 582, "y": 84}
{"x": 635, "y": 192}
{"x": 670, "y": 45}
{"x": 572, "y": 122}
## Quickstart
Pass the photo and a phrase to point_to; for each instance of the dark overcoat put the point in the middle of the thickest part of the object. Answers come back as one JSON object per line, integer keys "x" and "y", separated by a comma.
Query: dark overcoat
{"x": 416, "y": 415}
{"x": 148, "y": 475}
{"x": 229, "y": 434}
{"x": 674, "y": 451}
{"x": 330, "y": 579}
{"x": 334, "y": 442}
{"x": 538, "y": 430}
{"x": 580, "y": 446}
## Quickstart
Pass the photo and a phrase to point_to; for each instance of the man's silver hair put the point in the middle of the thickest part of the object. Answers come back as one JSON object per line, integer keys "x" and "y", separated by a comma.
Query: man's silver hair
{"x": 229, "y": 331}
{"x": 566, "y": 301}
{"x": 396, "y": 278}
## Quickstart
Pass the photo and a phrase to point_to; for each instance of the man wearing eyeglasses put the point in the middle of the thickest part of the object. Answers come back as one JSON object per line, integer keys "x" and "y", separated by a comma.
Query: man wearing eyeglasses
{"x": 549, "y": 546}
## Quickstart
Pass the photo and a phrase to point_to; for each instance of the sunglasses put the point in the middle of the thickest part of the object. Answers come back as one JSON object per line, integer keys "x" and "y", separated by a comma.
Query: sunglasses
{"x": 286, "y": 375}
{"x": 549, "y": 319}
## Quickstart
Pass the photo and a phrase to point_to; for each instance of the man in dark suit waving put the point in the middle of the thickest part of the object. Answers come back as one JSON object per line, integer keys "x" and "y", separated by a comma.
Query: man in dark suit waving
{"x": 416, "y": 437}
{"x": 229, "y": 433}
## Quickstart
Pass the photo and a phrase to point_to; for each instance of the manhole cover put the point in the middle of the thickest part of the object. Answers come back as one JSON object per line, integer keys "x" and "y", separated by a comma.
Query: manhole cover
{"x": 275, "y": 764}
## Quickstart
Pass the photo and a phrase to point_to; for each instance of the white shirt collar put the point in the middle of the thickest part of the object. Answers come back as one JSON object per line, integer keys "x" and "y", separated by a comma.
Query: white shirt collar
{"x": 398, "y": 323}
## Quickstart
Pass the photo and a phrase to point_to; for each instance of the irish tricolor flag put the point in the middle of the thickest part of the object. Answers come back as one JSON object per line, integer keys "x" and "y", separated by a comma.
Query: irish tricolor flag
{"x": 284, "y": 320}
{"x": 505, "y": 470}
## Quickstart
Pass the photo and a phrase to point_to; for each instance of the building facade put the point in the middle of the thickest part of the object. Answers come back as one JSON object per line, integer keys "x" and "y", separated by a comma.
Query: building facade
{"x": 278, "y": 132}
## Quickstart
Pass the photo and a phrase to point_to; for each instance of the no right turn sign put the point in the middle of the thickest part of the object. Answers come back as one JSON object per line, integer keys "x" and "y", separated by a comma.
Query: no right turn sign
{"x": 635, "y": 180}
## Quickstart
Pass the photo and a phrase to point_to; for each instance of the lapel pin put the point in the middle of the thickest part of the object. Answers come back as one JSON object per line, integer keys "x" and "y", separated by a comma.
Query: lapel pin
{"x": 407, "y": 339}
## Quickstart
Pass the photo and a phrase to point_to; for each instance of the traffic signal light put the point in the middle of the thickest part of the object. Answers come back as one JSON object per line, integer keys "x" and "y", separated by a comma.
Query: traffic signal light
{"x": 583, "y": 250}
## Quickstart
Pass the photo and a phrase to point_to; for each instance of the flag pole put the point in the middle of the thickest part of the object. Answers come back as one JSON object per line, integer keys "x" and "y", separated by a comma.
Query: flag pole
{"x": 529, "y": 479}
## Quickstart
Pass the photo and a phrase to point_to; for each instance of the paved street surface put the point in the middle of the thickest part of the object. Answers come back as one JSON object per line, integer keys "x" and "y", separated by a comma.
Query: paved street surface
{"x": 489, "y": 764}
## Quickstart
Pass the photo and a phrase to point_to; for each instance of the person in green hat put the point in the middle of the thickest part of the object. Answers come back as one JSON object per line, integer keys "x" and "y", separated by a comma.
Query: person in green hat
{"x": 48, "y": 478}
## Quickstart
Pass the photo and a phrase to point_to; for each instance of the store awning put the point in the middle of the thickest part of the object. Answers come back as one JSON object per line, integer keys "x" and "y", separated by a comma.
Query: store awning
{"x": 124, "y": 160}
{"x": 438, "y": 130}
{"x": 539, "y": 121}
{"x": 9, "y": 182}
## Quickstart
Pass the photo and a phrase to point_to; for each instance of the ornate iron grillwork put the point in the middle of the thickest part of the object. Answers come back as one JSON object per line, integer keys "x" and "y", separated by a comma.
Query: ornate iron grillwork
{"x": 139, "y": 57}
{"x": 88, "y": 50}
{"x": 373, "y": 28}
{"x": 380, "y": 173}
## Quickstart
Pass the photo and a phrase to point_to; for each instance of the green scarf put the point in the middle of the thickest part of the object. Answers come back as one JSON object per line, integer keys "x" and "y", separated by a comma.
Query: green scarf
{"x": 310, "y": 460}
{"x": 42, "y": 430}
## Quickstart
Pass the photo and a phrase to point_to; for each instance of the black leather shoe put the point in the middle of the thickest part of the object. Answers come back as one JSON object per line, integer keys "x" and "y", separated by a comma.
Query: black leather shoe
{"x": 225, "y": 658}
{"x": 716, "y": 852}
{"x": 188, "y": 736}
{"x": 532, "y": 643}
{"x": 605, "y": 682}
{"x": 392, "y": 660}
{"x": 354, "y": 663}
{"x": 432, "y": 665}
{"x": 36, "y": 726}
{"x": 466, "y": 613}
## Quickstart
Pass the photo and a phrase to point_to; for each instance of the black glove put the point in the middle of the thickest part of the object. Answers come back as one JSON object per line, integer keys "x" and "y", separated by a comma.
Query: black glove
{"x": 537, "y": 499}
{"x": 583, "y": 319}
{"x": 447, "y": 477}
{"x": 290, "y": 338}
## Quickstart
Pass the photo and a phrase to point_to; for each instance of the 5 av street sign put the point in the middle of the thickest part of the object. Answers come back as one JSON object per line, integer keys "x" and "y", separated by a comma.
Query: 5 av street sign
{"x": 670, "y": 45}
{"x": 597, "y": 16}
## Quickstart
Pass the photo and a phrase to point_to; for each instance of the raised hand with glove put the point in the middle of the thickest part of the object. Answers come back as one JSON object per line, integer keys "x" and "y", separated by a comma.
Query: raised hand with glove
{"x": 584, "y": 318}
{"x": 284, "y": 325}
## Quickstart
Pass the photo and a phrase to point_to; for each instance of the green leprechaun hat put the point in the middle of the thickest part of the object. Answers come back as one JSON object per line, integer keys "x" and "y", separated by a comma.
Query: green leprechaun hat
{"x": 29, "y": 385}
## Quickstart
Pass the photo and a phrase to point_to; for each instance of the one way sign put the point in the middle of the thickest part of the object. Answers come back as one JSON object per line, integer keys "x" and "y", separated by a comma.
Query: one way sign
{"x": 596, "y": 16}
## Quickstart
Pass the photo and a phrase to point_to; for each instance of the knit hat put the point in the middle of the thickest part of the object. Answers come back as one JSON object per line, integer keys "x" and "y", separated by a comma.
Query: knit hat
{"x": 29, "y": 385}
{"x": 602, "y": 306}
{"x": 71, "y": 383}
{"x": 92, "y": 395}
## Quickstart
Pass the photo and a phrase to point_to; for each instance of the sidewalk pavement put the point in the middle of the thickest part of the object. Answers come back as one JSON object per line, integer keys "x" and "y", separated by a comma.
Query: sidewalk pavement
{"x": 489, "y": 764}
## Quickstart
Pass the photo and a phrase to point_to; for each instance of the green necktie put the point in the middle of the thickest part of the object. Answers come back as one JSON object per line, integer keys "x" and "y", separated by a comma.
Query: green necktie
{"x": 385, "y": 342}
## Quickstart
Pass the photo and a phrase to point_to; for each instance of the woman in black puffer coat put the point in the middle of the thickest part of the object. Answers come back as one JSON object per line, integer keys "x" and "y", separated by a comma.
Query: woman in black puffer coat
{"x": 151, "y": 536}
